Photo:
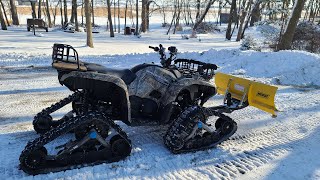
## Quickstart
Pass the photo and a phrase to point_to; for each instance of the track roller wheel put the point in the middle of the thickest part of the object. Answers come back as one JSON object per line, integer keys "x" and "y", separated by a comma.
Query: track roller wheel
{"x": 35, "y": 160}
{"x": 227, "y": 127}
{"x": 219, "y": 123}
{"x": 119, "y": 146}
{"x": 43, "y": 123}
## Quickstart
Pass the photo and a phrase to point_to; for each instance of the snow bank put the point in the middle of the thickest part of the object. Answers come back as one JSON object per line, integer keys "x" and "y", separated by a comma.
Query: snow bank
{"x": 295, "y": 68}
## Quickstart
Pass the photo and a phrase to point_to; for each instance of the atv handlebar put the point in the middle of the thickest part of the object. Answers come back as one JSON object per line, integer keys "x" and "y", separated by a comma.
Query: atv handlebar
{"x": 156, "y": 49}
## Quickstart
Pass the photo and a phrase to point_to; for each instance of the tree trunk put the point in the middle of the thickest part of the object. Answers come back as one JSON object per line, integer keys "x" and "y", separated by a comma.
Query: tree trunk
{"x": 92, "y": 10}
{"x": 110, "y": 19}
{"x": 118, "y": 16}
{"x": 200, "y": 18}
{"x": 61, "y": 13}
{"x": 231, "y": 17}
{"x": 148, "y": 14}
{"x": 33, "y": 7}
{"x": 5, "y": 14}
{"x": 114, "y": 16}
{"x": 178, "y": 17}
{"x": 73, "y": 8}
{"x": 75, "y": 14}
{"x": 82, "y": 12}
{"x": 54, "y": 13}
{"x": 143, "y": 15}
{"x": 13, "y": 8}
{"x": 88, "y": 23}
{"x": 125, "y": 15}
{"x": 286, "y": 38}
{"x": 255, "y": 16}
{"x": 198, "y": 10}
{"x": 137, "y": 19}
{"x": 39, "y": 9}
{"x": 173, "y": 18}
{"x": 3, "y": 23}
{"x": 65, "y": 10}
{"x": 242, "y": 18}
{"x": 48, "y": 14}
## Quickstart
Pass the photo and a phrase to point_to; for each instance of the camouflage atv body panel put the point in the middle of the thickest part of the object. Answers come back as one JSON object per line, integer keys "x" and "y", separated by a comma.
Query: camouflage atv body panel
{"x": 147, "y": 96}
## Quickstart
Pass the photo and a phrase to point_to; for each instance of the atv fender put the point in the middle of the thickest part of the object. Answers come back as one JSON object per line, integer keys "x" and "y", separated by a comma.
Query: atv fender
{"x": 92, "y": 80}
{"x": 189, "y": 84}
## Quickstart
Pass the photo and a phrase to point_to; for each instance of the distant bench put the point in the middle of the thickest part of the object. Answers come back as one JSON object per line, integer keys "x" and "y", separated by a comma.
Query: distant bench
{"x": 38, "y": 23}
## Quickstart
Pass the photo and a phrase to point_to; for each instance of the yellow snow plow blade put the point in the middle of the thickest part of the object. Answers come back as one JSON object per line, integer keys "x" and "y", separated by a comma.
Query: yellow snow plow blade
{"x": 256, "y": 94}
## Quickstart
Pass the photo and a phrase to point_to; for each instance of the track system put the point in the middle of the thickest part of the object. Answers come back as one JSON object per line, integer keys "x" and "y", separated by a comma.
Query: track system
{"x": 34, "y": 159}
{"x": 43, "y": 122}
{"x": 189, "y": 132}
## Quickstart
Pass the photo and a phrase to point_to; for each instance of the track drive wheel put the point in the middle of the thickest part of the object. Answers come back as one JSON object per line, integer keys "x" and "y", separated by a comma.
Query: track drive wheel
{"x": 43, "y": 123}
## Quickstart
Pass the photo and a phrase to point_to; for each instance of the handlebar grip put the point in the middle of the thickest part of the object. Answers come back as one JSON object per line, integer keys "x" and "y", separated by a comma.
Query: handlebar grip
{"x": 154, "y": 48}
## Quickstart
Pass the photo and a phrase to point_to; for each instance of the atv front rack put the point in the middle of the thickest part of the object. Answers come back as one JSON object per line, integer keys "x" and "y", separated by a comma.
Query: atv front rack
{"x": 189, "y": 66}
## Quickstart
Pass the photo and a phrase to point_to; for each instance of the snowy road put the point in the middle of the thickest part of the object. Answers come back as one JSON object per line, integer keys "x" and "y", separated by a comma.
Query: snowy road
{"x": 284, "y": 147}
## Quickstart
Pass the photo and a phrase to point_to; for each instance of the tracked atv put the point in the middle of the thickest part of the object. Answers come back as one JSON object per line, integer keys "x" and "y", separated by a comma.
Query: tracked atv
{"x": 172, "y": 93}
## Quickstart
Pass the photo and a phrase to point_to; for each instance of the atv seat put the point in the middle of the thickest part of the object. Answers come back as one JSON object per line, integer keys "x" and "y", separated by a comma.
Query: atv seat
{"x": 125, "y": 74}
{"x": 69, "y": 66}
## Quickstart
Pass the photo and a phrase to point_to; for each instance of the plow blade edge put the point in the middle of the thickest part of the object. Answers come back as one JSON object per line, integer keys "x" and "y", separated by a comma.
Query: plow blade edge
{"x": 256, "y": 94}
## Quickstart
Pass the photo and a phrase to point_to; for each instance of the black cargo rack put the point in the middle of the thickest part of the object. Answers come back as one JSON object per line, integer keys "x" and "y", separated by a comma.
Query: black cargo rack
{"x": 65, "y": 53}
{"x": 187, "y": 66}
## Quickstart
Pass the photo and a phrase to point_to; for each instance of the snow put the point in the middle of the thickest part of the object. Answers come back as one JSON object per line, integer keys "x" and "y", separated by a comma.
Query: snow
{"x": 285, "y": 147}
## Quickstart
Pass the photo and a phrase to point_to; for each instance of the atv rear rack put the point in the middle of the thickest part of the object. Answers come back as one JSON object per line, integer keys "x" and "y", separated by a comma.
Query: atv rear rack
{"x": 66, "y": 57}
{"x": 189, "y": 66}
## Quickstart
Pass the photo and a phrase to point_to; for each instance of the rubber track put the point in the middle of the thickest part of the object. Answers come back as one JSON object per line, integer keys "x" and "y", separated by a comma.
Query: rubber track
{"x": 55, "y": 107}
{"x": 184, "y": 125}
{"x": 64, "y": 128}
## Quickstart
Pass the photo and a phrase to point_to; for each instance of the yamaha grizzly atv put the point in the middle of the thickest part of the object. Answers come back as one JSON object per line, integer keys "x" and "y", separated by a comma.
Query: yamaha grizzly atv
{"x": 172, "y": 93}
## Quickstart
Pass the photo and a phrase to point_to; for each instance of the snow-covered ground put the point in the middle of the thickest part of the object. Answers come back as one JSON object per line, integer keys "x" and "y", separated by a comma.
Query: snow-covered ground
{"x": 285, "y": 147}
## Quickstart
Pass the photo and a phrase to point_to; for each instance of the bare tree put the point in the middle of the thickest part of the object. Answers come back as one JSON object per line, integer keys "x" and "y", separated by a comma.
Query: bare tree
{"x": 4, "y": 12}
{"x": 110, "y": 19}
{"x": 286, "y": 38}
{"x": 65, "y": 11}
{"x": 48, "y": 14}
{"x": 14, "y": 14}
{"x": 88, "y": 23}
{"x": 114, "y": 15}
{"x": 92, "y": 10}
{"x": 39, "y": 8}
{"x": 255, "y": 16}
{"x": 118, "y": 16}
{"x": 243, "y": 17}
{"x": 3, "y": 23}
{"x": 125, "y": 14}
{"x": 233, "y": 10}
{"x": 54, "y": 11}
{"x": 202, "y": 16}
{"x": 61, "y": 13}
{"x": 75, "y": 14}
{"x": 143, "y": 15}
{"x": 137, "y": 18}
{"x": 33, "y": 7}
{"x": 173, "y": 18}
{"x": 73, "y": 8}
{"x": 198, "y": 9}
{"x": 177, "y": 20}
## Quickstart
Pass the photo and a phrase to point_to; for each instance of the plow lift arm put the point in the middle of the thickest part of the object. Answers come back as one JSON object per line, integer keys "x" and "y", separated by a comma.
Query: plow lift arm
{"x": 240, "y": 93}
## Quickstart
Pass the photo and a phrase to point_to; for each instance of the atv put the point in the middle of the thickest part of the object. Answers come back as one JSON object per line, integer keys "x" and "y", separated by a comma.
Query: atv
{"x": 171, "y": 94}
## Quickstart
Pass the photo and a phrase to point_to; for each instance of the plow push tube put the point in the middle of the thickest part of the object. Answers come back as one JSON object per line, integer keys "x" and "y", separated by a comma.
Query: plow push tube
{"x": 256, "y": 94}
